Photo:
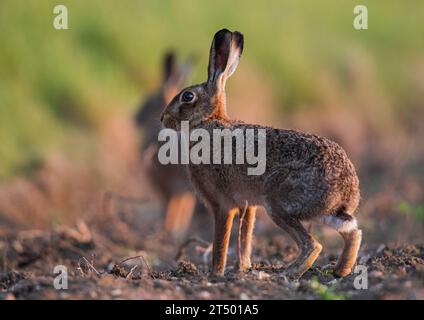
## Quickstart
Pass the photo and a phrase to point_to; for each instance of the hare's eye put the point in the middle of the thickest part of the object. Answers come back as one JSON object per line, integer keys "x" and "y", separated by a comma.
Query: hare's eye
{"x": 187, "y": 96}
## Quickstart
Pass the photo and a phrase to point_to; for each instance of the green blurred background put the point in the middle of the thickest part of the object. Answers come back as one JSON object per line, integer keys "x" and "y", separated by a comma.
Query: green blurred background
{"x": 56, "y": 85}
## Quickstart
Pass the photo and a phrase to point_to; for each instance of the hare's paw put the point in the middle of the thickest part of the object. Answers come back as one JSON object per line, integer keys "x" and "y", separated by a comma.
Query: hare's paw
{"x": 304, "y": 261}
{"x": 341, "y": 272}
{"x": 336, "y": 270}
{"x": 244, "y": 266}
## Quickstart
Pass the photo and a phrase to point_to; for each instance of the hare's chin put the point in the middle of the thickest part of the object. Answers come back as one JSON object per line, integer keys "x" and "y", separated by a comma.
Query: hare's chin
{"x": 172, "y": 124}
{"x": 169, "y": 123}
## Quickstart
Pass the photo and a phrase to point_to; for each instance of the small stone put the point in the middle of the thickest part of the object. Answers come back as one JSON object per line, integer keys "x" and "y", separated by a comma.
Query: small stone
{"x": 365, "y": 259}
{"x": 294, "y": 285}
{"x": 376, "y": 274}
{"x": 244, "y": 296}
{"x": 260, "y": 275}
{"x": 283, "y": 278}
{"x": 116, "y": 292}
{"x": 381, "y": 248}
{"x": 263, "y": 275}
{"x": 110, "y": 267}
{"x": 291, "y": 284}
{"x": 204, "y": 295}
{"x": 332, "y": 282}
{"x": 17, "y": 246}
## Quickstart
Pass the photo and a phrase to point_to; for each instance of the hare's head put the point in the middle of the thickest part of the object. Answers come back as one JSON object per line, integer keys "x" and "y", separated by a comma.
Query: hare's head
{"x": 174, "y": 77}
{"x": 207, "y": 100}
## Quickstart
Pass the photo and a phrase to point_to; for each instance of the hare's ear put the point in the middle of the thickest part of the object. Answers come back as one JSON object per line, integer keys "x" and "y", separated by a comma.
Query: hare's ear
{"x": 224, "y": 57}
{"x": 169, "y": 65}
{"x": 176, "y": 80}
{"x": 173, "y": 74}
{"x": 185, "y": 71}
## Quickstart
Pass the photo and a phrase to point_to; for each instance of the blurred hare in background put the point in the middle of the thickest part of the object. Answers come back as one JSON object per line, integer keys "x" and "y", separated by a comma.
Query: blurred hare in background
{"x": 169, "y": 181}
{"x": 307, "y": 177}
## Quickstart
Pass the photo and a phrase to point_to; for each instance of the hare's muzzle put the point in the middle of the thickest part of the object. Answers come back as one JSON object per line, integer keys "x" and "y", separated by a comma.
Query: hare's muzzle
{"x": 164, "y": 118}
{"x": 167, "y": 120}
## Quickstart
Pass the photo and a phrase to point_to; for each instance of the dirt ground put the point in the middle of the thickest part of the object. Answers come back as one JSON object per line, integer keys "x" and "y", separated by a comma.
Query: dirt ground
{"x": 109, "y": 260}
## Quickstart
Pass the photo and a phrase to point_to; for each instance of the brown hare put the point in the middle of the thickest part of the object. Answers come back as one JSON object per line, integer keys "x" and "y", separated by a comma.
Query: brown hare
{"x": 306, "y": 177}
{"x": 169, "y": 181}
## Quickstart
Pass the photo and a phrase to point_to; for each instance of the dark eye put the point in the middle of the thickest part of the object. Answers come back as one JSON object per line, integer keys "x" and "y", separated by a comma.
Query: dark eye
{"x": 187, "y": 96}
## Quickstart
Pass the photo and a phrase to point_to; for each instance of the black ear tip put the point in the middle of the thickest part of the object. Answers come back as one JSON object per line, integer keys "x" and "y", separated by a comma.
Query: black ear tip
{"x": 222, "y": 38}
{"x": 235, "y": 36}
{"x": 223, "y": 31}
{"x": 169, "y": 57}
{"x": 238, "y": 39}
{"x": 169, "y": 61}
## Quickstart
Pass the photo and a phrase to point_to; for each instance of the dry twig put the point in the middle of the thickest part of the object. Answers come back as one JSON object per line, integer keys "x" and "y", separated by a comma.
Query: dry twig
{"x": 143, "y": 261}
{"x": 186, "y": 243}
{"x": 89, "y": 265}
{"x": 129, "y": 275}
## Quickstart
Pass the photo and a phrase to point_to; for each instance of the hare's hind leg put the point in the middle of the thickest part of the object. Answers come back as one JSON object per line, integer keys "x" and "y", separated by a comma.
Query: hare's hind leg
{"x": 347, "y": 259}
{"x": 223, "y": 223}
{"x": 309, "y": 248}
{"x": 247, "y": 222}
{"x": 347, "y": 226}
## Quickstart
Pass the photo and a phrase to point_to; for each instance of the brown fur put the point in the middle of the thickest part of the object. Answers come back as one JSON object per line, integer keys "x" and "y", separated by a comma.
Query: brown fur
{"x": 347, "y": 259}
{"x": 306, "y": 177}
{"x": 170, "y": 181}
{"x": 244, "y": 244}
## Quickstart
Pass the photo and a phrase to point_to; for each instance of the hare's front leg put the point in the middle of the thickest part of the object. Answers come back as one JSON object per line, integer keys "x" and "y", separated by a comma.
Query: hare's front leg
{"x": 179, "y": 213}
{"x": 247, "y": 222}
{"x": 223, "y": 223}
{"x": 309, "y": 248}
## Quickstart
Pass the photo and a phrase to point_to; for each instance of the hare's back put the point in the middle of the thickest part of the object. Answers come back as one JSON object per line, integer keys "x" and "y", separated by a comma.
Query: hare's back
{"x": 311, "y": 173}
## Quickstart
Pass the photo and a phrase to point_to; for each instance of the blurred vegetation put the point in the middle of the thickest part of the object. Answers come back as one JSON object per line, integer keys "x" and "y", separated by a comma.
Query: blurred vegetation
{"x": 415, "y": 211}
{"x": 325, "y": 292}
{"x": 56, "y": 83}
